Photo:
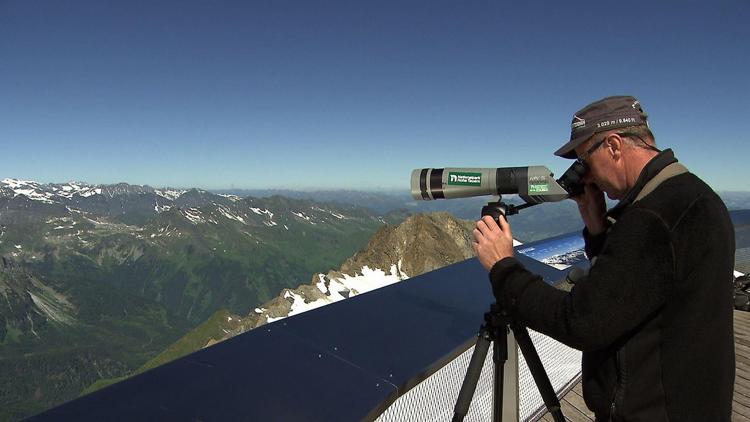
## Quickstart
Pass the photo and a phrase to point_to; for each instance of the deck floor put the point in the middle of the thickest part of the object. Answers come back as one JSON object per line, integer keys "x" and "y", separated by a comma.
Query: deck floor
{"x": 575, "y": 409}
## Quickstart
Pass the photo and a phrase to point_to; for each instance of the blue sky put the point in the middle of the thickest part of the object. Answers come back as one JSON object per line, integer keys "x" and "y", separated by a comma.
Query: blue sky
{"x": 347, "y": 94}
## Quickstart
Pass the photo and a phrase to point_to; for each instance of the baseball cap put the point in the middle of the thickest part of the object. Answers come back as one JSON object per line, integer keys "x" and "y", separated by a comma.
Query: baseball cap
{"x": 606, "y": 114}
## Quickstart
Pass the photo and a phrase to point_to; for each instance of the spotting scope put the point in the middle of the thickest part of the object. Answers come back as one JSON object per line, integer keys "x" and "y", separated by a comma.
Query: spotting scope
{"x": 534, "y": 184}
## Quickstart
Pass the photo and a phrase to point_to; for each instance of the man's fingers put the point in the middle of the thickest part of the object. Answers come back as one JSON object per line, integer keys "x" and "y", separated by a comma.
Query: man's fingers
{"x": 477, "y": 235}
{"x": 490, "y": 222}
{"x": 505, "y": 226}
{"x": 484, "y": 227}
{"x": 480, "y": 227}
{"x": 503, "y": 222}
{"x": 487, "y": 226}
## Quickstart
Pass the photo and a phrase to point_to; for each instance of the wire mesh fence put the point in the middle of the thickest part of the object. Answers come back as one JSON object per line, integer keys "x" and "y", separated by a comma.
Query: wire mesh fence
{"x": 434, "y": 399}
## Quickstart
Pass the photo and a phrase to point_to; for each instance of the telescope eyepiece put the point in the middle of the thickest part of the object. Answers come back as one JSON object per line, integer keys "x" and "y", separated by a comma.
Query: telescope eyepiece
{"x": 572, "y": 179}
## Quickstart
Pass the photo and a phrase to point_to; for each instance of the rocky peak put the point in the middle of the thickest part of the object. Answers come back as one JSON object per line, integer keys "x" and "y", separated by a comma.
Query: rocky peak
{"x": 422, "y": 243}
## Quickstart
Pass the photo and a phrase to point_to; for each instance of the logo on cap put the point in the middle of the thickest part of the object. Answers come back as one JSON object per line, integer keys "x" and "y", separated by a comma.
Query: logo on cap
{"x": 578, "y": 122}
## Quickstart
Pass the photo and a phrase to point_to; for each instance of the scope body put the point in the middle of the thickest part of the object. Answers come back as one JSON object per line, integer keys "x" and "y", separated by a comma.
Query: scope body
{"x": 534, "y": 184}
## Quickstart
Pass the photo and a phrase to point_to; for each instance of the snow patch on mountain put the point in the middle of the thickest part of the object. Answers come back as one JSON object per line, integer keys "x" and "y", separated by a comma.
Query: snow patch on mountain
{"x": 299, "y": 305}
{"x": 233, "y": 198}
{"x": 72, "y": 189}
{"x": 29, "y": 189}
{"x": 161, "y": 208}
{"x": 226, "y": 213}
{"x": 337, "y": 289}
{"x": 50, "y": 193}
{"x": 170, "y": 194}
{"x": 334, "y": 214}
{"x": 370, "y": 279}
{"x": 303, "y": 216}
{"x": 15, "y": 183}
{"x": 194, "y": 215}
{"x": 57, "y": 311}
{"x": 263, "y": 212}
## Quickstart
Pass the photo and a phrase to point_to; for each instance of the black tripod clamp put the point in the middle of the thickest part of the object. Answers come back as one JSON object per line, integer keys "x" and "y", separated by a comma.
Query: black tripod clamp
{"x": 498, "y": 208}
{"x": 495, "y": 328}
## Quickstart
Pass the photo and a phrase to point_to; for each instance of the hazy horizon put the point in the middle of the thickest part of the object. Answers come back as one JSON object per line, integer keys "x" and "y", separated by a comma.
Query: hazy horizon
{"x": 394, "y": 191}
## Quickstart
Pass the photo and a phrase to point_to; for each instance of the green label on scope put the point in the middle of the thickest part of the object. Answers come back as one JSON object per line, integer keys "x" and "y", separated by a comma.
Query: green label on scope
{"x": 465, "y": 179}
{"x": 539, "y": 188}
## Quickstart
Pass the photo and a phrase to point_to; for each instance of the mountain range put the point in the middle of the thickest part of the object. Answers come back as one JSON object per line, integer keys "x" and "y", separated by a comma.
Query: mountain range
{"x": 96, "y": 280}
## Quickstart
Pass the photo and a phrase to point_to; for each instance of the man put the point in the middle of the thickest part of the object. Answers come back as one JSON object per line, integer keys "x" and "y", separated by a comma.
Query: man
{"x": 653, "y": 316}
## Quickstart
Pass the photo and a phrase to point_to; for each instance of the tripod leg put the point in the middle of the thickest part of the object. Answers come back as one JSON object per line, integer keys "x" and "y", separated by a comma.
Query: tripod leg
{"x": 472, "y": 374}
{"x": 537, "y": 372}
{"x": 499, "y": 357}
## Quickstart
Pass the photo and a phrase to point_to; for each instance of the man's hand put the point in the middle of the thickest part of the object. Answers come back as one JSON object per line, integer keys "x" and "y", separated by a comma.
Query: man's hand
{"x": 492, "y": 242}
{"x": 592, "y": 207}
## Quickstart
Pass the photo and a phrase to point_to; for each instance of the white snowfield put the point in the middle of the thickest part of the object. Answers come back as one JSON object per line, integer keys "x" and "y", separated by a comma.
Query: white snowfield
{"x": 170, "y": 194}
{"x": 194, "y": 215}
{"x": 341, "y": 288}
{"x": 228, "y": 214}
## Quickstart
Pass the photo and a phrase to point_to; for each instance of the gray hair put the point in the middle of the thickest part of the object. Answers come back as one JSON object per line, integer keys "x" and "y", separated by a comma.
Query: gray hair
{"x": 634, "y": 135}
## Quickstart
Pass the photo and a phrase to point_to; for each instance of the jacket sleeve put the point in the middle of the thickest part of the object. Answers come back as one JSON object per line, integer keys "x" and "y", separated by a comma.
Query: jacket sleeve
{"x": 625, "y": 286}
{"x": 593, "y": 243}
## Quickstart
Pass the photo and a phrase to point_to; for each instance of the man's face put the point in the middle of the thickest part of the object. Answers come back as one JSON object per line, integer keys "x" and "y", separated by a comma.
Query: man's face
{"x": 595, "y": 153}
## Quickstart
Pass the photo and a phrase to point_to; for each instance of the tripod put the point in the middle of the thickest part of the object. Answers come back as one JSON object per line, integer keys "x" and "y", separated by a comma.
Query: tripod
{"x": 495, "y": 328}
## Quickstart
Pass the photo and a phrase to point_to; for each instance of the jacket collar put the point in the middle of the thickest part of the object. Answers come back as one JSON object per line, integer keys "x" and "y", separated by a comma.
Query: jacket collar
{"x": 654, "y": 167}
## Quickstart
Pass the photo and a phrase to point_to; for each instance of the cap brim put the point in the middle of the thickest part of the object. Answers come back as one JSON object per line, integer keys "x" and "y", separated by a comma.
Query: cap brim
{"x": 568, "y": 150}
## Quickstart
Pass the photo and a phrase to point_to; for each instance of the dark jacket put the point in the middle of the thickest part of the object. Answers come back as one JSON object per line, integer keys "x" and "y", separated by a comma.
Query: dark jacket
{"x": 654, "y": 315}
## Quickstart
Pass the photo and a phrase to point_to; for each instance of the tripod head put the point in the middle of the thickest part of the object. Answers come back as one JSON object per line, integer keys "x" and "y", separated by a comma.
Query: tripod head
{"x": 499, "y": 208}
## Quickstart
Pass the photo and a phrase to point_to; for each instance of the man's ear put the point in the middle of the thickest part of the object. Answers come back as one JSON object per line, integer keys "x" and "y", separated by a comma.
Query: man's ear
{"x": 614, "y": 145}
